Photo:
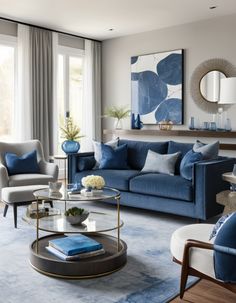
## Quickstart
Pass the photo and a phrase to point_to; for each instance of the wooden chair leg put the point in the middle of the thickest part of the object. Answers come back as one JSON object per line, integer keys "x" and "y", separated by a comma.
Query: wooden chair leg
{"x": 5, "y": 210}
{"x": 15, "y": 215}
{"x": 183, "y": 281}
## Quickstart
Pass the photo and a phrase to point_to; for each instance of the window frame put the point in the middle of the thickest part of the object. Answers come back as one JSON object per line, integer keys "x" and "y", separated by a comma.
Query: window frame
{"x": 68, "y": 52}
{"x": 11, "y": 41}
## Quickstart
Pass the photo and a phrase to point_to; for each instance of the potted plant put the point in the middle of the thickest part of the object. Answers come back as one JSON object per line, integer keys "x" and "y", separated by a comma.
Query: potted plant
{"x": 119, "y": 113}
{"x": 70, "y": 132}
{"x": 75, "y": 215}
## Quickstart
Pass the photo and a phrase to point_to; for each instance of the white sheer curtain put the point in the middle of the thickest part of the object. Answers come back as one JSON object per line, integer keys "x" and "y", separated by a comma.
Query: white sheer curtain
{"x": 23, "y": 109}
{"x": 91, "y": 127}
{"x": 55, "y": 88}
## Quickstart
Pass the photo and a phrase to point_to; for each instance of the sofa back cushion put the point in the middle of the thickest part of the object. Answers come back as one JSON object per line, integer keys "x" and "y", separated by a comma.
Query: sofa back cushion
{"x": 137, "y": 151}
{"x": 174, "y": 147}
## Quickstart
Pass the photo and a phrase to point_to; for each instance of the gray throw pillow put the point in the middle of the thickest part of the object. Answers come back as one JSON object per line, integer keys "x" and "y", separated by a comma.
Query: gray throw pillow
{"x": 158, "y": 163}
{"x": 97, "y": 147}
{"x": 209, "y": 151}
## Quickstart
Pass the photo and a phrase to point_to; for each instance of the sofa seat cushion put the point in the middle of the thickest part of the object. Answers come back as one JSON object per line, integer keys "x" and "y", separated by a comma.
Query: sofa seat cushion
{"x": 30, "y": 179}
{"x": 174, "y": 187}
{"x": 118, "y": 179}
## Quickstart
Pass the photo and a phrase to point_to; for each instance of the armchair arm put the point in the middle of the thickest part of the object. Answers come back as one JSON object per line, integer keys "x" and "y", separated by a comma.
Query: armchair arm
{"x": 73, "y": 160}
{"x": 207, "y": 183}
{"x": 4, "y": 178}
{"x": 47, "y": 168}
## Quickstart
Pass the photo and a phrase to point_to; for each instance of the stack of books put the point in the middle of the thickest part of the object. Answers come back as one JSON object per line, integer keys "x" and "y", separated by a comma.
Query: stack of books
{"x": 74, "y": 248}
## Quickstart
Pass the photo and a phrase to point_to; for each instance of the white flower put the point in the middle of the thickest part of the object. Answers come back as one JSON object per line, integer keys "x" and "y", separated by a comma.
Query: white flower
{"x": 93, "y": 181}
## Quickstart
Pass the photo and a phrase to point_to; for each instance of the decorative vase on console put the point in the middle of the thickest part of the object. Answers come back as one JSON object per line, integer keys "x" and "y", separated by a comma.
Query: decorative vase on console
{"x": 71, "y": 133}
{"x": 119, "y": 113}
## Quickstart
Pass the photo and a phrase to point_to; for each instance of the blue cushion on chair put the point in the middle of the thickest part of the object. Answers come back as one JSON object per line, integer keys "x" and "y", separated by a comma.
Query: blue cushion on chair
{"x": 25, "y": 164}
{"x": 186, "y": 165}
{"x": 114, "y": 158}
{"x": 225, "y": 263}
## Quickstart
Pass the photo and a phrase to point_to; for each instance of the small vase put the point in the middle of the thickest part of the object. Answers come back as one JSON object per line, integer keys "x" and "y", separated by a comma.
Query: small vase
{"x": 70, "y": 147}
{"x": 118, "y": 124}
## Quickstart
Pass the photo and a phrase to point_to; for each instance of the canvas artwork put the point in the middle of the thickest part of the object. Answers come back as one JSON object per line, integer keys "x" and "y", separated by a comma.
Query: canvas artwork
{"x": 157, "y": 87}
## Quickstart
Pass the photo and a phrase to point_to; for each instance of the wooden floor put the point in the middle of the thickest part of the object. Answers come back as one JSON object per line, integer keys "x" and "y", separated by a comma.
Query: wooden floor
{"x": 207, "y": 292}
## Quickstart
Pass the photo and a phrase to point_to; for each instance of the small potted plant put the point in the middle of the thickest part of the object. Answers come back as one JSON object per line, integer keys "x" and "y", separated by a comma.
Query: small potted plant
{"x": 70, "y": 132}
{"x": 119, "y": 113}
{"x": 76, "y": 216}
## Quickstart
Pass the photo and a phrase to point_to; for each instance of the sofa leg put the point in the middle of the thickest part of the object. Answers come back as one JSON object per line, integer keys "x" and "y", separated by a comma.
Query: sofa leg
{"x": 15, "y": 215}
{"x": 5, "y": 210}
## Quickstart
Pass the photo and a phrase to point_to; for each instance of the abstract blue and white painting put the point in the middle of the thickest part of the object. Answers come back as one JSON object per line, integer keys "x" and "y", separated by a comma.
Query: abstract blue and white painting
{"x": 157, "y": 87}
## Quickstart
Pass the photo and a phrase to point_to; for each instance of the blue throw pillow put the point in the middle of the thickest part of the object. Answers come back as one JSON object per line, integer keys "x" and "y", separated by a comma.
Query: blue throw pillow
{"x": 25, "y": 164}
{"x": 219, "y": 224}
{"x": 209, "y": 151}
{"x": 225, "y": 242}
{"x": 186, "y": 165}
{"x": 114, "y": 158}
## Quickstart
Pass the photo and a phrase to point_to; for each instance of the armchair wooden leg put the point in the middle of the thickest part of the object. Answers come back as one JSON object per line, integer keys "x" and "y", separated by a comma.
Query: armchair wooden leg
{"x": 5, "y": 210}
{"x": 183, "y": 281}
{"x": 15, "y": 215}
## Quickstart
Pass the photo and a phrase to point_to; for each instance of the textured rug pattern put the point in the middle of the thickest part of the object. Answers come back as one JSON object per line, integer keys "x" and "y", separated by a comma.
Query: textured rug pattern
{"x": 149, "y": 276}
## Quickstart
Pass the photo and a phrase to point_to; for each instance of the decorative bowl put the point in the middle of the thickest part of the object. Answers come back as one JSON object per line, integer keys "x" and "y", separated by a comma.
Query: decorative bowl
{"x": 165, "y": 125}
{"x": 76, "y": 220}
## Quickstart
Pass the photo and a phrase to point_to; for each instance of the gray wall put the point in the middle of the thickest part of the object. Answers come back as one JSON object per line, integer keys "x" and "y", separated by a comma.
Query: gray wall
{"x": 201, "y": 41}
{"x": 8, "y": 28}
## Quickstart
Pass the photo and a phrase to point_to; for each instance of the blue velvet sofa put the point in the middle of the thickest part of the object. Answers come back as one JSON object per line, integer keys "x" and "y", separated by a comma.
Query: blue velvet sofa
{"x": 160, "y": 192}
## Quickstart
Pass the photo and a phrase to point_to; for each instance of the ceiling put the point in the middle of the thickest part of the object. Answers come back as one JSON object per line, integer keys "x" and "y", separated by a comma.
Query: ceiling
{"x": 94, "y": 18}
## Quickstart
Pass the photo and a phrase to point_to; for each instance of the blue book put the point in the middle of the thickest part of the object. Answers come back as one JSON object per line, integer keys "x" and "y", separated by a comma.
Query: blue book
{"x": 73, "y": 245}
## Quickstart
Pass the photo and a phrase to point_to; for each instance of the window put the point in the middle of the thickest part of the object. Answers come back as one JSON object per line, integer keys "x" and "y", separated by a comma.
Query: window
{"x": 7, "y": 85}
{"x": 70, "y": 85}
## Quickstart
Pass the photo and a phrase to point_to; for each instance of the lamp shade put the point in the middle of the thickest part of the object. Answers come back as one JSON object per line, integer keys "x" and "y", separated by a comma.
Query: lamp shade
{"x": 228, "y": 91}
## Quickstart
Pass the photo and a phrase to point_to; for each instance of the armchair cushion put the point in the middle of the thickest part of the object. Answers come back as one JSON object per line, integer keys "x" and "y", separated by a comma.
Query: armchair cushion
{"x": 29, "y": 179}
{"x": 25, "y": 164}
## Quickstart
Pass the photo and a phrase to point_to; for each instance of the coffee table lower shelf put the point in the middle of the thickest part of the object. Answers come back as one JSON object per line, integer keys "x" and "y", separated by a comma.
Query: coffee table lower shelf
{"x": 102, "y": 265}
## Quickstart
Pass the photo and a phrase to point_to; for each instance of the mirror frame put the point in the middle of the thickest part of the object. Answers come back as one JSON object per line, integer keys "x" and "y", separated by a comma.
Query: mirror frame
{"x": 221, "y": 65}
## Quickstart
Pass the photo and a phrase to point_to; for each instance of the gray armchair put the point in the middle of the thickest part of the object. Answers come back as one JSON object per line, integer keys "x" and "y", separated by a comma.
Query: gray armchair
{"x": 17, "y": 190}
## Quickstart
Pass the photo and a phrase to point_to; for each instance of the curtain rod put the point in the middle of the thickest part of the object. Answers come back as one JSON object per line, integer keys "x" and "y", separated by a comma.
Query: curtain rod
{"x": 47, "y": 28}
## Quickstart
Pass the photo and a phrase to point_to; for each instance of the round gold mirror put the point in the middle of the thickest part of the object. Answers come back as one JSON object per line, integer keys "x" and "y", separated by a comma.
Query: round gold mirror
{"x": 210, "y": 85}
{"x": 205, "y": 82}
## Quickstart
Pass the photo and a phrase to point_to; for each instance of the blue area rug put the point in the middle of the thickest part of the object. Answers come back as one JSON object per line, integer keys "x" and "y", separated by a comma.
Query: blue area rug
{"x": 149, "y": 276}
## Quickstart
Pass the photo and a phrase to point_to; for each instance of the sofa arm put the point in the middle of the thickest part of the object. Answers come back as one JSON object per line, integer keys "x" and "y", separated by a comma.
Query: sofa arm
{"x": 4, "y": 178}
{"x": 73, "y": 163}
{"x": 47, "y": 168}
{"x": 208, "y": 183}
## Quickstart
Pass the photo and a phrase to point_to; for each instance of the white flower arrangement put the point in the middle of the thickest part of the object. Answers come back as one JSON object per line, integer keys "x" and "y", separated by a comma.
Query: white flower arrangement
{"x": 94, "y": 182}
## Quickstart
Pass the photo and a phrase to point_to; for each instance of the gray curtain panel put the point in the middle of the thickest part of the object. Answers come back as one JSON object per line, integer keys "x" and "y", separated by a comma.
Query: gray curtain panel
{"x": 41, "y": 65}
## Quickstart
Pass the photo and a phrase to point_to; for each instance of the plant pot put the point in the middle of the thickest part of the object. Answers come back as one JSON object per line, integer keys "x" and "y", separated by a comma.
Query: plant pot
{"x": 76, "y": 220}
{"x": 70, "y": 147}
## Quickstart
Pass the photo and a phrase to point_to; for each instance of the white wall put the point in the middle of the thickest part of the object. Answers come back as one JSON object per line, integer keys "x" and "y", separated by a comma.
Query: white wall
{"x": 203, "y": 40}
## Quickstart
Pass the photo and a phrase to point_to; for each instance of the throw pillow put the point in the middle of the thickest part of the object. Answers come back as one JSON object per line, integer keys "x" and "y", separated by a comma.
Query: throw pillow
{"x": 224, "y": 251}
{"x": 25, "y": 164}
{"x": 218, "y": 225}
{"x": 186, "y": 165}
{"x": 209, "y": 151}
{"x": 158, "y": 163}
{"x": 98, "y": 150}
{"x": 114, "y": 158}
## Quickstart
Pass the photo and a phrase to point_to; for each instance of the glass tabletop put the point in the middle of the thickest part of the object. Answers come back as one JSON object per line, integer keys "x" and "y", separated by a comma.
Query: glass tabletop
{"x": 65, "y": 195}
{"x": 96, "y": 222}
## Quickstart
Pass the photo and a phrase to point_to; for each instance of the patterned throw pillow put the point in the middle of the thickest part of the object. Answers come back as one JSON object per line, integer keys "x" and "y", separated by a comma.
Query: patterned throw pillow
{"x": 219, "y": 225}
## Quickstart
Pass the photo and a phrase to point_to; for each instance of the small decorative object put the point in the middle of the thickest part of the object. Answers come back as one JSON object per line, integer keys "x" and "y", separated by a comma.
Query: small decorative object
{"x": 165, "y": 125}
{"x": 212, "y": 126}
{"x": 220, "y": 119}
{"x": 157, "y": 86}
{"x": 54, "y": 187}
{"x": 191, "y": 124}
{"x": 76, "y": 216}
{"x": 119, "y": 113}
{"x": 228, "y": 127}
{"x": 93, "y": 183}
{"x": 71, "y": 133}
{"x": 234, "y": 170}
{"x": 136, "y": 123}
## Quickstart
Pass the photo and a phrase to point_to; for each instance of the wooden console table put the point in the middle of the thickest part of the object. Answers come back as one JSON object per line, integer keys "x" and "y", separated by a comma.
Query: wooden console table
{"x": 176, "y": 133}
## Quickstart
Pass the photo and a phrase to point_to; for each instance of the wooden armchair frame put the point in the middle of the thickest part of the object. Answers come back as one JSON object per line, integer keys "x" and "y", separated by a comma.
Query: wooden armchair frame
{"x": 187, "y": 270}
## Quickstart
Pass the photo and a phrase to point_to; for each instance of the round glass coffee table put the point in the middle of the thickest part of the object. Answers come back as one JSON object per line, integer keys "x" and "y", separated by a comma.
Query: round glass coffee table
{"x": 95, "y": 227}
